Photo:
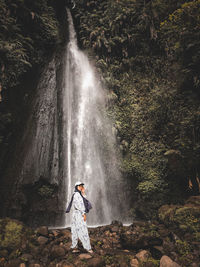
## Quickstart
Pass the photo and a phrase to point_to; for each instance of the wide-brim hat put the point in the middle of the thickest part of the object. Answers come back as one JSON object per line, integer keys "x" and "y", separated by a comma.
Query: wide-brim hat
{"x": 79, "y": 183}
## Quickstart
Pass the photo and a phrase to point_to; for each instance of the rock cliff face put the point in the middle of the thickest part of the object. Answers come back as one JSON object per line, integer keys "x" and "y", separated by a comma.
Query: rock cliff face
{"x": 30, "y": 62}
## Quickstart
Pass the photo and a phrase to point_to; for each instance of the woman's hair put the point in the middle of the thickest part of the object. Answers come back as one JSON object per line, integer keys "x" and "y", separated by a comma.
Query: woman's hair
{"x": 76, "y": 187}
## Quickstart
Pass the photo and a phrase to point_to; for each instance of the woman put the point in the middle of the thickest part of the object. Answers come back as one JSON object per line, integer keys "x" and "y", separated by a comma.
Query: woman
{"x": 79, "y": 226}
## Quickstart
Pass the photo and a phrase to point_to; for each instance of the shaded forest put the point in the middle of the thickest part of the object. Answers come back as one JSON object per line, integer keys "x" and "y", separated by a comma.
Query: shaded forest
{"x": 148, "y": 54}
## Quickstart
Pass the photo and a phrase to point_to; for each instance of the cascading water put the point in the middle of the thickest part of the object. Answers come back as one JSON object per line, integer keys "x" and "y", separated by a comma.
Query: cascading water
{"x": 90, "y": 145}
{"x": 68, "y": 137}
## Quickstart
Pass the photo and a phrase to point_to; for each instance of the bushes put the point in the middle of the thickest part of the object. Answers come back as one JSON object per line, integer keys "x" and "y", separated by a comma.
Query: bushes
{"x": 180, "y": 34}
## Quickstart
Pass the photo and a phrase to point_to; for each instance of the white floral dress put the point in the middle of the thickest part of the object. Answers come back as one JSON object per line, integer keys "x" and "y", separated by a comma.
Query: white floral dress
{"x": 78, "y": 225}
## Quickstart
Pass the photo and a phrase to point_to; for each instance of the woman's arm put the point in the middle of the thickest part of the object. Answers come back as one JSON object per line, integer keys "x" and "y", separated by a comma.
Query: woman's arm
{"x": 78, "y": 203}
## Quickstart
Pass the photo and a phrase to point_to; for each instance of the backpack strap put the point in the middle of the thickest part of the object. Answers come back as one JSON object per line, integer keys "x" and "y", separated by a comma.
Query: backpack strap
{"x": 70, "y": 204}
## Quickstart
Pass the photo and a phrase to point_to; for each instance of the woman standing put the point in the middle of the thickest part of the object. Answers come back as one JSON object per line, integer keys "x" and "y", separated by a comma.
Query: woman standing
{"x": 79, "y": 228}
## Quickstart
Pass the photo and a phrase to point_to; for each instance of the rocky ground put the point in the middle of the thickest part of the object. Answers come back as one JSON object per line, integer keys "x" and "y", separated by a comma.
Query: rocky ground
{"x": 172, "y": 241}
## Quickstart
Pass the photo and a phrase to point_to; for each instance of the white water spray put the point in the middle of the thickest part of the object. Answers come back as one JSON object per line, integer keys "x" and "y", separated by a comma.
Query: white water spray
{"x": 88, "y": 131}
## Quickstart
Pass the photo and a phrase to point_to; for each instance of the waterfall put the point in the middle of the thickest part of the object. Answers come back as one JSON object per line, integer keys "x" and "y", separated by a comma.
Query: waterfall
{"x": 68, "y": 137}
{"x": 89, "y": 143}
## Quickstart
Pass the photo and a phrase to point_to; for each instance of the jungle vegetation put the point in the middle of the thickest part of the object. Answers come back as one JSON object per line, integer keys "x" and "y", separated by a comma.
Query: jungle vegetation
{"x": 147, "y": 52}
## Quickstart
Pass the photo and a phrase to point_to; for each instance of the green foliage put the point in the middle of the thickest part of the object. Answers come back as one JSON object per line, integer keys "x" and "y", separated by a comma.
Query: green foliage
{"x": 143, "y": 48}
{"x": 152, "y": 186}
{"x": 26, "y": 30}
{"x": 180, "y": 33}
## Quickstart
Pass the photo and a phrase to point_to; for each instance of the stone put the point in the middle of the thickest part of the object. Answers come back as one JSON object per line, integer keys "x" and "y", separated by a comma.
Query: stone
{"x": 64, "y": 264}
{"x": 34, "y": 265}
{"x": 165, "y": 261}
{"x": 13, "y": 263}
{"x": 57, "y": 251}
{"x": 163, "y": 232}
{"x": 55, "y": 233}
{"x": 115, "y": 228}
{"x": 3, "y": 253}
{"x": 42, "y": 240}
{"x": 84, "y": 256}
{"x": 139, "y": 240}
{"x": 115, "y": 222}
{"x": 134, "y": 263}
{"x": 26, "y": 257}
{"x": 22, "y": 265}
{"x": 102, "y": 252}
{"x": 66, "y": 233}
{"x": 143, "y": 255}
{"x": 95, "y": 262}
{"x": 67, "y": 245}
{"x": 43, "y": 230}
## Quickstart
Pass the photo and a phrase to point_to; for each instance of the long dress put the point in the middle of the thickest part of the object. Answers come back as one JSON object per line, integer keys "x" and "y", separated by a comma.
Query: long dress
{"x": 78, "y": 225}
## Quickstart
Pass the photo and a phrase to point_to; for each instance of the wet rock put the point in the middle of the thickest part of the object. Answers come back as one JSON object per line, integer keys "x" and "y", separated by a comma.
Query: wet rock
{"x": 143, "y": 255}
{"x": 165, "y": 261}
{"x": 66, "y": 233}
{"x": 134, "y": 263}
{"x": 34, "y": 265}
{"x": 57, "y": 251}
{"x": 64, "y": 264}
{"x": 55, "y": 233}
{"x": 117, "y": 223}
{"x": 84, "y": 256}
{"x": 95, "y": 262}
{"x": 102, "y": 252}
{"x": 115, "y": 228}
{"x": 67, "y": 246}
{"x": 43, "y": 230}
{"x": 42, "y": 240}
{"x": 138, "y": 240}
{"x": 13, "y": 263}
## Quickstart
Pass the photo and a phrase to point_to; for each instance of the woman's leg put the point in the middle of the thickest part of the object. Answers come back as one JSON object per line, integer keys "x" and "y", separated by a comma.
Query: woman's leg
{"x": 74, "y": 232}
{"x": 84, "y": 236}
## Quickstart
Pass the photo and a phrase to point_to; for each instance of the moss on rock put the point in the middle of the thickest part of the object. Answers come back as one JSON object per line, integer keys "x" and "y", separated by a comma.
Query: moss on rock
{"x": 11, "y": 232}
{"x": 186, "y": 218}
